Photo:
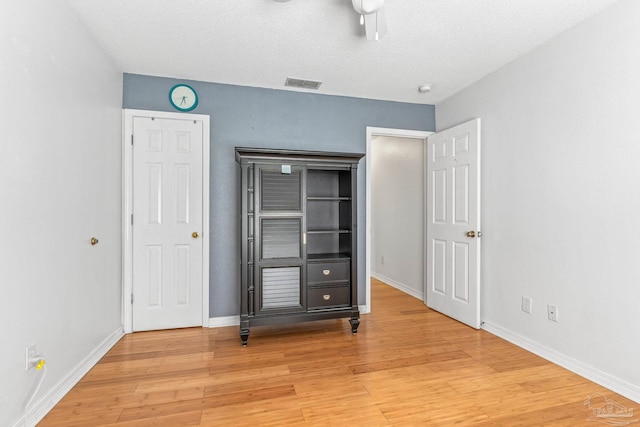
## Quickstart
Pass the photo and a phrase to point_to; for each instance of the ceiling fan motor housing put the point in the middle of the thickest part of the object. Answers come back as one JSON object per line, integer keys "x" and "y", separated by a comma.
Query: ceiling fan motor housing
{"x": 367, "y": 7}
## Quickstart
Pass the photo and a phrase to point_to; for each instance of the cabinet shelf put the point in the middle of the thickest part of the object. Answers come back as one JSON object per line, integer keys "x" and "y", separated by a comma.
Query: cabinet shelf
{"x": 328, "y": 257}
{"x": 328, "y": 199}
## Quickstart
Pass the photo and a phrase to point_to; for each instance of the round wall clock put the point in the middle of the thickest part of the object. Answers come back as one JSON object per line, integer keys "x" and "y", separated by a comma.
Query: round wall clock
{"x": 183, "y": 97}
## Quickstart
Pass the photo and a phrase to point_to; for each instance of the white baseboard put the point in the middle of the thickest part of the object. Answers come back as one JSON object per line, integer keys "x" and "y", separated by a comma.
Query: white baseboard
{"x": 400, "y": 286}
{"x": 604, "y": 379}
{"x": 45, "y": 404}
{"x": 219, "y": 322}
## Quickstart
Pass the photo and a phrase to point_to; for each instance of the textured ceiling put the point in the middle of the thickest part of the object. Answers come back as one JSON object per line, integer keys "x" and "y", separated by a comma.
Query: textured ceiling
{"x": 447, "y": 43}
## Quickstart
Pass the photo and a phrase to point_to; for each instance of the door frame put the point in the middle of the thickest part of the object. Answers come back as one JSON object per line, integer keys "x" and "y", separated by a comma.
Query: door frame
{"x": 372, "y": 132}
{"x": 127, "y": 208}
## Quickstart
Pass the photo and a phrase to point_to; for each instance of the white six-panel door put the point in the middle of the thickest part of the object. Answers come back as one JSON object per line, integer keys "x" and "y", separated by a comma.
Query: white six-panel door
{"x": 167, "y": 223}
{"x": 453, "y": 222}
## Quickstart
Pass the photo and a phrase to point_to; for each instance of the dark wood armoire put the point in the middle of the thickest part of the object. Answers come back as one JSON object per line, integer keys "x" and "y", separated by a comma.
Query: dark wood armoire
{"x": 298, "y": 237}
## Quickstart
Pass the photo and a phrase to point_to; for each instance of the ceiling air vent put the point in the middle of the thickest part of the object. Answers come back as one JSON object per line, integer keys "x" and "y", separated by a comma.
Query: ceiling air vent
{"x": 304, "y": 84}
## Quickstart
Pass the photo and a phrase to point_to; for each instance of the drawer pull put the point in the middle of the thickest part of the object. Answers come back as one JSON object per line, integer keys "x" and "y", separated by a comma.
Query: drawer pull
{"x": 326, "y": 297}
{"x": 326, "y": 272}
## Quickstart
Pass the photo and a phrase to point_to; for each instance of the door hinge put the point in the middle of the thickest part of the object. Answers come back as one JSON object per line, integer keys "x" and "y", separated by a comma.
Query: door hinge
{"x": 131, "y": 219}
{"x": 132, "y": 298}
{"x": 131, "y": 139}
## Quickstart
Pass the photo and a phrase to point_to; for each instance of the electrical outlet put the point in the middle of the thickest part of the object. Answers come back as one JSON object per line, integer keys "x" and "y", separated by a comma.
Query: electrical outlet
{"x": 552, "y": 312}
{"x": 527, "y": 304}
{"x": 30, "y": 353}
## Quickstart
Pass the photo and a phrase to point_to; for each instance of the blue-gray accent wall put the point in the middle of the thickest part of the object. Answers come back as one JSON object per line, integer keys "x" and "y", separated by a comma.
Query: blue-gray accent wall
{"x": 244, "y": 116}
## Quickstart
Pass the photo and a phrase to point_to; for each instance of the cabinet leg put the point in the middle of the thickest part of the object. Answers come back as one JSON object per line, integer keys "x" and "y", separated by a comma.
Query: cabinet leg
{"x": 244, "y": 336}
{"x": 355, "y": 322}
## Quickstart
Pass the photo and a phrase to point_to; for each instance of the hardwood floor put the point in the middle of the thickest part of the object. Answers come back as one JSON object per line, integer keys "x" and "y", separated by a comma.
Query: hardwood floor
{"x": 407, "y": 365}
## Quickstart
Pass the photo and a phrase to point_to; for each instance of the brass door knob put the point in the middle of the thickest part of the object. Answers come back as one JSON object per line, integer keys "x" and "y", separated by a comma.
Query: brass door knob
{"x": 471, "y": 234}
{"x": 195, "y": 235}
{"x": 94, "y": 241}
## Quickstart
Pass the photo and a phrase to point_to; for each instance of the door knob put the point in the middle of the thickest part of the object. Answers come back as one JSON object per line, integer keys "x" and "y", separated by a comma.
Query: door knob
{"x": 471, "y": 234}
{"x": 195, "y": 235}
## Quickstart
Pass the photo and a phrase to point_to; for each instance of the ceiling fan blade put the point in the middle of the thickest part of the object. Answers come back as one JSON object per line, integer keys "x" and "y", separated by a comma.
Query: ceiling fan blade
{"x": 375, "y": 22}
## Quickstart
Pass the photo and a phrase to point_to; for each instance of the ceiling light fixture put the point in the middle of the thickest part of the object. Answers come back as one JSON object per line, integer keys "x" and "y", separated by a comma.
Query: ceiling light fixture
{"x": 424, "y": 88}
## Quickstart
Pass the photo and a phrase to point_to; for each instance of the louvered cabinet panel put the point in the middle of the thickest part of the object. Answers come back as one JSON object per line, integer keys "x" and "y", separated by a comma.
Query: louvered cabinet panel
{"x": 281, "y": 288}
{"x": 281, "y": 191}
{"x": 281, "y": 238}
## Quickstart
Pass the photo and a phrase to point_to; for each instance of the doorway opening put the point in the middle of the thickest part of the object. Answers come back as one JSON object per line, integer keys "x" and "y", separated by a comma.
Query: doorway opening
{"x": 395, "y": 210}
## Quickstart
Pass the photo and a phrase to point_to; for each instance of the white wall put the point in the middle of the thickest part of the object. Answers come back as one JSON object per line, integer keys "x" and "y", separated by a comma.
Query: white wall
{"x": 561, "y": 192}
{"x": 60, "y": 184}
{"x": 397, "y": 212}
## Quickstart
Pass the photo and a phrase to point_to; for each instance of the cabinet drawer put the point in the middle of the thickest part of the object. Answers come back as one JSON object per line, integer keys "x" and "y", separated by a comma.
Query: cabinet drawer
{"x": 329, "y": 296}
{"x": 327, "y": 271}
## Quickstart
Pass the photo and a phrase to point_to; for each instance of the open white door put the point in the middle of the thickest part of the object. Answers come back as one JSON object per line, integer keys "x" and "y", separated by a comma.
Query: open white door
{"x": 453, "y": 222}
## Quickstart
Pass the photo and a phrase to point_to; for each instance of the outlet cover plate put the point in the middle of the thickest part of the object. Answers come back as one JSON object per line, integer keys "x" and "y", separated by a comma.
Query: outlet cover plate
{"x": 30, "y": 353}
{"x": 552, "y": 312}
{"x": 527, "y": 303}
